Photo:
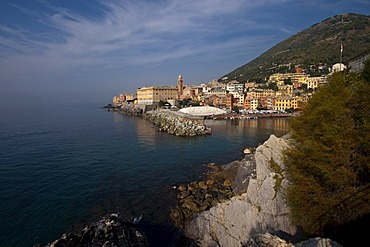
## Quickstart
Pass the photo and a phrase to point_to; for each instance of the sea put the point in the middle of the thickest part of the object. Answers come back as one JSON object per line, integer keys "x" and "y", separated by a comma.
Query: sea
{"x": 64, "y": 166}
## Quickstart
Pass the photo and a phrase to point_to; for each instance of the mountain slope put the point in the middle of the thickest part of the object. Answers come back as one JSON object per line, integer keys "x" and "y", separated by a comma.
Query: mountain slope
{"x": 314, "y": 49}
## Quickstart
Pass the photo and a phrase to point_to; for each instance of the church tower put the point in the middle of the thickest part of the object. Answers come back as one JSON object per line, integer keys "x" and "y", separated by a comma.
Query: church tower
{"x": 180, "y": 86}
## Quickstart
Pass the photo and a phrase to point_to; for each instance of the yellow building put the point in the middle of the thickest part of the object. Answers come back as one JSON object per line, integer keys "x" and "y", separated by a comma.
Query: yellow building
{"x": 130, "y": 96}
{"x": 279, "y": 78}
{"x": 286, "y": 90}
{"x": 286, "y": 102}
{"x": 239, "y": 98}
{"x": 116, "y": 100}
{"x": 155, "y": 94}
{"x": 315, "y": 82}
{"x": 258, "y": 93}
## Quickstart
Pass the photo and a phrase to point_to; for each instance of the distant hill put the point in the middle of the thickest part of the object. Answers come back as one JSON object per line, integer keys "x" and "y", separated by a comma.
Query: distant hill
{"x": 313, "y": 49}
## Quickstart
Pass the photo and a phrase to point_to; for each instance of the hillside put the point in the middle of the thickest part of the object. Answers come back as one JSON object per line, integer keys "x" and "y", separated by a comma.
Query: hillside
{"x": 314, "y": 49}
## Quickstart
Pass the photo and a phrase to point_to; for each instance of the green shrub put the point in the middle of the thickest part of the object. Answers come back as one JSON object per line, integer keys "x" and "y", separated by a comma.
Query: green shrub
{"x": 329, "y": 167}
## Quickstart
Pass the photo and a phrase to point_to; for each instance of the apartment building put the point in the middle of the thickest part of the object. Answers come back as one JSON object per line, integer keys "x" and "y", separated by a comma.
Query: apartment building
{"x": 296, "y": 78}
{"x": 238, "y": 98}
{"x": 315, "y": 82}
{"x": 235, "y": 87}
{"x": 356, "y": 64}
{"x": 250, "y": 103}
{"x": 258, "y": 93}
{"x": 287, "y": 102}
{"x": 286, "y": 90}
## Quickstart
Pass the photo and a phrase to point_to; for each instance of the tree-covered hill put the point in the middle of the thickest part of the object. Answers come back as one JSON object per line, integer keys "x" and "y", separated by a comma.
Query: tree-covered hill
{"x": 314, "y": 49}
{"x": 330, "y": 165}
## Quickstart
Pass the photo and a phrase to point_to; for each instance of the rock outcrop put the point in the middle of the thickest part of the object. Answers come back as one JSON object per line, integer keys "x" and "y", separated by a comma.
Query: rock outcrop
{"x": 177, "y": 123}
{"x": 269, "y": 240}
{"x": 109, "y": 231}
{"x": 260, "y": 208}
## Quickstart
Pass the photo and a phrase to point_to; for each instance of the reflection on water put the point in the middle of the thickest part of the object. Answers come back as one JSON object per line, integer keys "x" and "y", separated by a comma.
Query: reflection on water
{"x": 146, "y": 133}
{"x": 236, "y": 130}
{"x": 248, "y": 128}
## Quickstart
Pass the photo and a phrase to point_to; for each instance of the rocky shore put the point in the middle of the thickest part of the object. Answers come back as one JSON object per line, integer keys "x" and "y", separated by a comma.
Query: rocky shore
{"x": 110, "y": 231}
{"x": 243, "y": 203}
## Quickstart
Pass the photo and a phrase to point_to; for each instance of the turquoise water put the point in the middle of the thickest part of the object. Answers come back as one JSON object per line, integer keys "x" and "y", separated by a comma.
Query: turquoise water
{"x": 62, "y": 166}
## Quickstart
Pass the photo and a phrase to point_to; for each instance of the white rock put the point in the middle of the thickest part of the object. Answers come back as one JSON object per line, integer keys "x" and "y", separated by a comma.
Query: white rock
{"x": 261, "y": 209}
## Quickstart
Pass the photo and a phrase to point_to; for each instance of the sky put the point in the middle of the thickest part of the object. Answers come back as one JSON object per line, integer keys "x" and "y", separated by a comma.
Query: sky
{"x": 95, "y": 49}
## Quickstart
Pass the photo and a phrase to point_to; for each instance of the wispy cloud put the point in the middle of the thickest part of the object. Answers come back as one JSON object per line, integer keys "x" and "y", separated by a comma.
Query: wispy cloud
{"x": 130, "y": 32}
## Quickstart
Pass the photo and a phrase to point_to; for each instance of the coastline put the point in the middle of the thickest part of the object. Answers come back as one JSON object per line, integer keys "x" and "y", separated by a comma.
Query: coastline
{"x": 225, "y": 222}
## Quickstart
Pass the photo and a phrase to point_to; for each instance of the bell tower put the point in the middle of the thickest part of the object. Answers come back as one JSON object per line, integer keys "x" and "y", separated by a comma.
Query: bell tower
{"x": 180, "y": 86}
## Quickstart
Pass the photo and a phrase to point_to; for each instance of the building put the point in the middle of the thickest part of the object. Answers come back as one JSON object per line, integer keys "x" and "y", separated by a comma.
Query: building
{"x": 192, "y": 92}
{"x": 266, "y": 102}
{"x": 235, "y": 86}
{"x": 123, "y": 97}
{"x": 286, "y": 90}
{"x": 283, "y": 103}
{"x": 287, "y": 102}
{"x": 219, "y": 91}
{"x": 315, "y": 82}
{"x": 338, "y": 67}
{"x": 356, "y": 64}
{"x": 153, "y": 95}
{"x": 258, "y": 93}
{"x": 238, "y": 98}
{"x": 250, "y": 103}
{"x": 116, "y": 100}
{"x": 217, "y": 101}
{"x": 130, "y": 96}
{"x": 296, "y": 78}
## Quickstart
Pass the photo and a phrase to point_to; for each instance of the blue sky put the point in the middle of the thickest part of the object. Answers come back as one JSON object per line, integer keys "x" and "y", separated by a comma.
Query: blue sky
{"x": 98, "y": 48}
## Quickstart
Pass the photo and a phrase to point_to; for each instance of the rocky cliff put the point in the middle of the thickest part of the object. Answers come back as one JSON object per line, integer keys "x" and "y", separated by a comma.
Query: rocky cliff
{"x": 257, "y": 210}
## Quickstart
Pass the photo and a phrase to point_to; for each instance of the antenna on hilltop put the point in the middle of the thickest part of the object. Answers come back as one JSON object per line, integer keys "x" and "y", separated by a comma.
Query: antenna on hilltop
{"x": 340, "y": 57}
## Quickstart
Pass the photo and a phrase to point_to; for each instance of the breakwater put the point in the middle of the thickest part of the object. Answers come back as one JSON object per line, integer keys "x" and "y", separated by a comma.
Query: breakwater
{"x": 177, "y": 123}
{"x": 172, "y": 122}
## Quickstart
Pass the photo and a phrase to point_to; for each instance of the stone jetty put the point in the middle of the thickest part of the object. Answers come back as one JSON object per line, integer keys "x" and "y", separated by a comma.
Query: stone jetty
{"x": 173, "y": 122}
{"x": 177, "y": 123}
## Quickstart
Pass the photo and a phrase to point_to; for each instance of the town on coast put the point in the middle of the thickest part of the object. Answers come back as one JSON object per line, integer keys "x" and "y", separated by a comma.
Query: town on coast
{"x": 282, "y": 95}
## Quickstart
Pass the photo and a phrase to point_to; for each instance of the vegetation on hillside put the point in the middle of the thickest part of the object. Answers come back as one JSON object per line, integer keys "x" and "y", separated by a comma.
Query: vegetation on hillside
{"x": 329, "y": 167}
{"x": 315, "y": 49}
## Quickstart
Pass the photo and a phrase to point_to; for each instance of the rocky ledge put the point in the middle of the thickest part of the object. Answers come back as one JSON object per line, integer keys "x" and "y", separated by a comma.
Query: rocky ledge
{"x": 109, "y": 231}
{"x": 176, "y": 123}
{"x": 242, "y": 203}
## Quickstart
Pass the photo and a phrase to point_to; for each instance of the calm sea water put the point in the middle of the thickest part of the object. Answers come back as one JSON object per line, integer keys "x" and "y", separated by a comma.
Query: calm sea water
{"x": 64, "y": 166}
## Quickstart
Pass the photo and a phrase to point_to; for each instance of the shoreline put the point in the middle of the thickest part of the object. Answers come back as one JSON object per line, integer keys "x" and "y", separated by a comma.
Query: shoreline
{"x": 136, "y": 110}
{"x": 252, "y": 116}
